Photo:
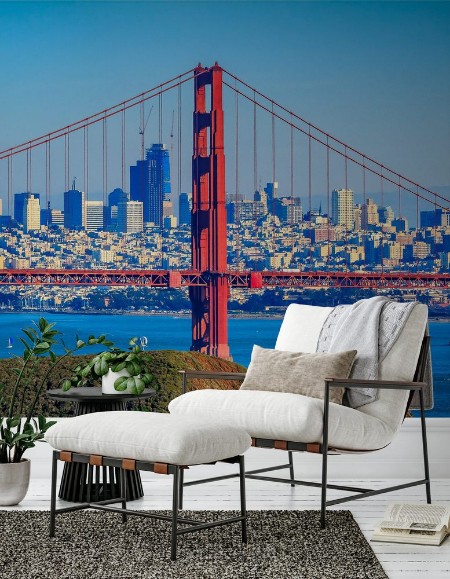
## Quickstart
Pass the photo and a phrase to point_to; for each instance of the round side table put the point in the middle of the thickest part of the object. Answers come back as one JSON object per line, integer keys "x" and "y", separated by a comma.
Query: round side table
{"x": 105, "y": 479}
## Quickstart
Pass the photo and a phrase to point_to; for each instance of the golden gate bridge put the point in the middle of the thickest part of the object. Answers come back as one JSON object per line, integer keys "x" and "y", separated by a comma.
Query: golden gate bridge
{"x": 211, "y": 277}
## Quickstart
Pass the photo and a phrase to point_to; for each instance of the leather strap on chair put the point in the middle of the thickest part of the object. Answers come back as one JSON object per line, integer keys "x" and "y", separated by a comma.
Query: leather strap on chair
{"x": 95, "y": 459}
{"x": 161, "y": 468}
{"x": 280, "y": 444}
{"x": 313, "y": 447}
{"x": 128, "y": 464}
{"x": 65, "y": 456}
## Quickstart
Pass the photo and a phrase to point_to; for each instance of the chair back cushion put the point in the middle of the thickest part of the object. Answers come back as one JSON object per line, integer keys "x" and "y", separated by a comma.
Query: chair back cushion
{"x": 301, "y": 328}
{"x": 300, "y": 331}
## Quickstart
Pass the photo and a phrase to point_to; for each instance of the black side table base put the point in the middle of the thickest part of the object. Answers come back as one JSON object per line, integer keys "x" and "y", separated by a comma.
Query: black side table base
{"x": 105, "y": 480}
{"x": 105, "y": 483}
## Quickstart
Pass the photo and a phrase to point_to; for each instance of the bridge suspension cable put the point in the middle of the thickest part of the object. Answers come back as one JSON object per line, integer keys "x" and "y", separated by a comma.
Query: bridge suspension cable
{"x": 102, "y": 115}
{"x": 334, "y": 144}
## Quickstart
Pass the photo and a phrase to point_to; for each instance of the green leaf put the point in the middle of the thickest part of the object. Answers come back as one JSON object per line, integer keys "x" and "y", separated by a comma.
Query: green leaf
{"x": 101, "y": 367}
{"x": 121, "y": 384}
{"x": 13, "y": 422}
{"x": 42, "y": 324}
{"x": 48, "y": 327}
{"x": 31, "y": 333}
{"x": 42, "y": 346}
{"x": 28, "y": 428}
{"x": 80, "y": 344}
{"x": 133, "y": 341}
{"x": 140, "y": 385}
{"x": 25, "y": 343}
{"x": 85, "y": 371}
{"x": 66, "y": 385}
{"x": 133, "y": 368}
{"x": 118, "y": 367}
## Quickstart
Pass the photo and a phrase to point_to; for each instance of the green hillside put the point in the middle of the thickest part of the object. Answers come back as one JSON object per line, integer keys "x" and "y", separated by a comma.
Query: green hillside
{"x": 164, "y": 364}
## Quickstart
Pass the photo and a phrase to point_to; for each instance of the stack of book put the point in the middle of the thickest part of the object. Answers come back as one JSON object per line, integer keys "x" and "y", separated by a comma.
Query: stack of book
{"x": 422, "y": 524}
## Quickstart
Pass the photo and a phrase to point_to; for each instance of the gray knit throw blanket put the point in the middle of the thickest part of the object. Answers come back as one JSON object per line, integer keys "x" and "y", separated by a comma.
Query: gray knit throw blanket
{"x": 371, "y": 327}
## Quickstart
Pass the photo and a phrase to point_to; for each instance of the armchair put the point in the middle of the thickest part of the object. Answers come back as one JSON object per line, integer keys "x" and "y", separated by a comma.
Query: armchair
{"x": 297, "y": 423}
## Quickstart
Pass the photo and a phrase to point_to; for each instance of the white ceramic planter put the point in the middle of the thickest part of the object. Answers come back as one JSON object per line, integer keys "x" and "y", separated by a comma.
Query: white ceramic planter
{"x": 14, "y": 481}
{"x": 109, "y": 379}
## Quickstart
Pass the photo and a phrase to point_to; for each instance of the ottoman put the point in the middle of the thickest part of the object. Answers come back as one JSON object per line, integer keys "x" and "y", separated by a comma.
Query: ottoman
{"x": 161, "y": 443}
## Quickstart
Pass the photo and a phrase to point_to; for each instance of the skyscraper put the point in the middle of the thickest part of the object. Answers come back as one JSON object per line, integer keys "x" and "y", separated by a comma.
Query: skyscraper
{"x": 94, "y": 215}
{"x": 114, "y": 198}
{"x": 271, "y": 191}
{"x": 74, "y": 209}
{"x": 150, "y": 183}
{"x": 342, "y": 205}
{"x": 19, "y": 202}
{"x": 31, "y": 214}
{"x": 129, "y": 217}
{"x": 184, "y": 209}
{"x": 369, "y": 214}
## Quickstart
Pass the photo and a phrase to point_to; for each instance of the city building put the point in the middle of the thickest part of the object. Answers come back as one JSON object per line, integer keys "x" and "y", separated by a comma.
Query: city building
{"x": 94, "y": 215}
{"x": 369, "y": 214}
{"x": 260, "y": 196}
{"x": 31, "y": 214}
{"x": 57, "y": 217}
{"x": 342, "y": 206}
{"x": 19, "y": 202}
{"x": 289, "y": 210}
{"x": 385, "y": 214}
{"x": 271, "y": 191}
{"x": 150, "y": 183}
{"x": 74, "y": 209}
{"x": 357, "y": 218}
{"x": 184, "y": 208}
{"x": 130, "y": 217}
{"x": 434, "y": 218}
{"x": 170, "y": 222}
{"x": 114, "y": 198}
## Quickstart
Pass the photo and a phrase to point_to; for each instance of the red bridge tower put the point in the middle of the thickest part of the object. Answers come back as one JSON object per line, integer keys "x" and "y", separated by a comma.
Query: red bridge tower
{"x": 208, "y": 218}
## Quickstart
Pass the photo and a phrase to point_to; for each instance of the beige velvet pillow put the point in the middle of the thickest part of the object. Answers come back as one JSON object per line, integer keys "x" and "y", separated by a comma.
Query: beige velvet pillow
{"x": 297, "y": 372}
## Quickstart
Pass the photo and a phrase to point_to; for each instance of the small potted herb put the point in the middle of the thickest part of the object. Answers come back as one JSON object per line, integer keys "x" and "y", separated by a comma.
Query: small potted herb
{"x": 120, "y": 370}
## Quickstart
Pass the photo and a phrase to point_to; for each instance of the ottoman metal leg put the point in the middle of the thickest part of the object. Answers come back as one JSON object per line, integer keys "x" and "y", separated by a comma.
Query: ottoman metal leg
{"x": 53, "y": 493}
{"x": 180, "y": 489}
{"x": 123, "y": 492}
{"x": 176, "y": 493}
{"x": 243, "y": 501}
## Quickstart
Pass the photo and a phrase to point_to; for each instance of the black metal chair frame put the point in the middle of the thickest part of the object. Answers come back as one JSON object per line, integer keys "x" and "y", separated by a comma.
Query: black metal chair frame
{"x": 135, "y": 465}
{"x": 416, "y": 386}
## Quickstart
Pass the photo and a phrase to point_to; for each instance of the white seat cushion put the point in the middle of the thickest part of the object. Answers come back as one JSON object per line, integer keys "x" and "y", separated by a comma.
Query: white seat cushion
{"x": 149, "y": 436}
{"x": 285, "y": 416}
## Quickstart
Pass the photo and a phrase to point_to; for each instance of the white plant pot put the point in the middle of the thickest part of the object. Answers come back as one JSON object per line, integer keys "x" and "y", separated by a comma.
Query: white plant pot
{"x": 14, "y": 481}
{"x": 109, "y": 379}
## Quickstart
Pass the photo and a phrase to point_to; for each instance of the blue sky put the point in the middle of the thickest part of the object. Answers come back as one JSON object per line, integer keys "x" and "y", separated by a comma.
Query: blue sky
{"x": 376, "y": 75}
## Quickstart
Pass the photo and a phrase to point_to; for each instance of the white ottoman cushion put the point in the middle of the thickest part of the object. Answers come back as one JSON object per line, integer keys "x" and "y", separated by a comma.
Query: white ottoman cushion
{"x": 149, "y": 436}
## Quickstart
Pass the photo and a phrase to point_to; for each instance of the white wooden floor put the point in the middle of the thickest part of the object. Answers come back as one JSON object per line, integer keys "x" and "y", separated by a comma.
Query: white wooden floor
{"x": 399, "y": 561}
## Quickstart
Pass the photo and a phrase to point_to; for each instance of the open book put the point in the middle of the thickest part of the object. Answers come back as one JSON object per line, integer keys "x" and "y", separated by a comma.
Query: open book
{"x": 414, "y": 523}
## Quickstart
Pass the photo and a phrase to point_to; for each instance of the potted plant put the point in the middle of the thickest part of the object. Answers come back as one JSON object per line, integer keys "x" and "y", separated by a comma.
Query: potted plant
{"x": 120, "y": 370}
{"x": 20, "y": 428}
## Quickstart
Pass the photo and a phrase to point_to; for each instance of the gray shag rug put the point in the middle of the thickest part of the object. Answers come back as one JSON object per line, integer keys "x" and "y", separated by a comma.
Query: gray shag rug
{"x": 89, "y": 545}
